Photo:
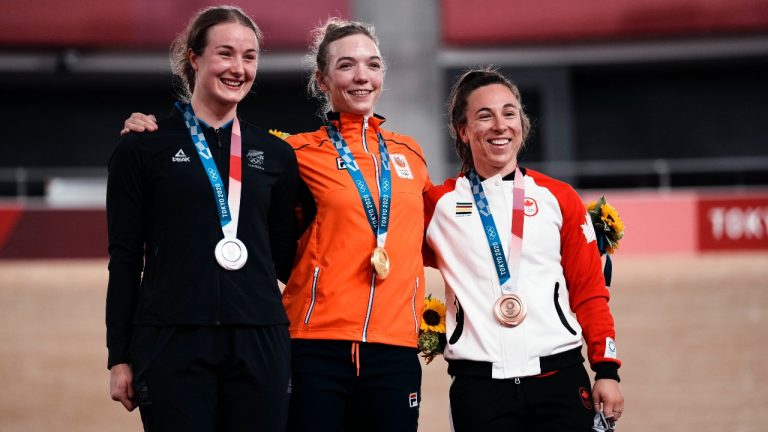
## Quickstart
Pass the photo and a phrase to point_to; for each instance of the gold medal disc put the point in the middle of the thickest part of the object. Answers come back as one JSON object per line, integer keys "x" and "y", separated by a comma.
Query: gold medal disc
{"x": 509, "y": 310}
{"x": 380, "y": 262}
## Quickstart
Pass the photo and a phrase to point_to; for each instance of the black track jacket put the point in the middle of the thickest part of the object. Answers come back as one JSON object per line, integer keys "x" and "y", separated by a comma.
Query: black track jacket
{"x": 163, "y": 220}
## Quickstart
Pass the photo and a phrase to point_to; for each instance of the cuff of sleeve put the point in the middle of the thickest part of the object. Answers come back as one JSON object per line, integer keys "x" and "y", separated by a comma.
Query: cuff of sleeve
{"x": 117, "y": 354}
{"x": 607, "y": 370}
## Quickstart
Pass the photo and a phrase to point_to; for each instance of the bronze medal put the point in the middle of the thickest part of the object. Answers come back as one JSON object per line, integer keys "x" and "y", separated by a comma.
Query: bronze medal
{"x": 509, "y": 310}
{"x": 380, "y": 262}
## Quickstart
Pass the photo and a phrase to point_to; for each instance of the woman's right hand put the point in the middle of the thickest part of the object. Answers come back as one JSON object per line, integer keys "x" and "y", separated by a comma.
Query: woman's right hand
{"x": 139, "y": 122}
{"x": 121, "y": 385}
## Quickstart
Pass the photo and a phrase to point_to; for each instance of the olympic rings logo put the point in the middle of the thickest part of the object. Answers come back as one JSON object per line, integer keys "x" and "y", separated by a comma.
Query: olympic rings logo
{"x": 491, "y": 232}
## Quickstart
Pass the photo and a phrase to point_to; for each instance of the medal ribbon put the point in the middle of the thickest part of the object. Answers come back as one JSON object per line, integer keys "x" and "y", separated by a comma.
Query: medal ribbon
{"x": 228, "y": 208}
{"x": 506, "y": 269}
{"x": 378, "y": 224}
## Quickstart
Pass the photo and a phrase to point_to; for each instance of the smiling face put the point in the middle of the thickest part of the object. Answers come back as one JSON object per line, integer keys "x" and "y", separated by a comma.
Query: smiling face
{"x": 225, "y": 70}
{"x": 354, "y": 75}
{"x": 493, "y": 129}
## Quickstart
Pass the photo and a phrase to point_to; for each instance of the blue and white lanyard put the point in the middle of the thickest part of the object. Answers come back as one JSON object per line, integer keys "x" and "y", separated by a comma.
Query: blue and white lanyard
{"x": 507, "y": 270}
{"x": 378, "y": 224}
{"x": 228, "y": 207}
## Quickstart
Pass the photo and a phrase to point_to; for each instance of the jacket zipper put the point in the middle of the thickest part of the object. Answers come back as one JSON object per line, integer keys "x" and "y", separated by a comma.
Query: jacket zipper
{"x": 365, "y": 129}
{"x": 373, "y": 274}
{"x": 370, "y": 307}
{"x": 367, "y": 150}
{"x": 217, "y": 160}
{"x": 314, "y": 294}
{"x": 413, "y": 305}
{"x": 218, "y": 137}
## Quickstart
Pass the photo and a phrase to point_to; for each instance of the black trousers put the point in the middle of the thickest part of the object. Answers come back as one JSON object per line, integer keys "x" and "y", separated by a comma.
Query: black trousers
{"x": 206, "y": 379}
{"x": 328, "y": 395}
{"x": 560, "y": 402}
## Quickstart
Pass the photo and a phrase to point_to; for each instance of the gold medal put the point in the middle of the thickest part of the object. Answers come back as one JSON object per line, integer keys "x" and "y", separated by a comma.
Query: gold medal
{"x": 509, "y": 310}
{"x": 380, "y": 262}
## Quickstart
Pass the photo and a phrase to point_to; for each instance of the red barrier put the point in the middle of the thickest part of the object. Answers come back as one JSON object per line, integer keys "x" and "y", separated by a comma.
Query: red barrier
{"x": 657, "y": 222}
{"x": 499, "y": 22}
{"x": 689, "y": 222}
{"x": 733, "y": 223}
{"x": 52, "y": 233}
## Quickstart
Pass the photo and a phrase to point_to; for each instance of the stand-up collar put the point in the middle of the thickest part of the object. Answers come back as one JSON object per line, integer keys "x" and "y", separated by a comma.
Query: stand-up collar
{"x": 353, "y": 123}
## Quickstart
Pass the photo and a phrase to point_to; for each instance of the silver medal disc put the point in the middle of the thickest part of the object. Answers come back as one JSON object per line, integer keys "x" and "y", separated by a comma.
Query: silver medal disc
{"x": 231, "y": 253}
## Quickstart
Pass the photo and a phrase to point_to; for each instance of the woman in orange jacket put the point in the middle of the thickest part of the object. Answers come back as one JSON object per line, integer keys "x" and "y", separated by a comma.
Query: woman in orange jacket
{"x": 354, "y": 297}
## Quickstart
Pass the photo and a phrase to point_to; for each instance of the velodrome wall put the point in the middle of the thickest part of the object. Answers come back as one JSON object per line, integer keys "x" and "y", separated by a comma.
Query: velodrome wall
{"x": 676, "y": 222}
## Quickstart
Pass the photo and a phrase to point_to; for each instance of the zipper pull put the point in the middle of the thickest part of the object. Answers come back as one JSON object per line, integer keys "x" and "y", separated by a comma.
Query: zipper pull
{"x": 365, "y": 130}
{"x": 517, "y": 380}
{"x": 218, "y": 137}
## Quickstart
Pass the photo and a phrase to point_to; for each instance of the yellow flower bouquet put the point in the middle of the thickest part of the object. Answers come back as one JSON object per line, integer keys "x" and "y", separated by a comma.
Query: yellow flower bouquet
{"x": 609, "y": 229}
{"x": 432, "y": 329}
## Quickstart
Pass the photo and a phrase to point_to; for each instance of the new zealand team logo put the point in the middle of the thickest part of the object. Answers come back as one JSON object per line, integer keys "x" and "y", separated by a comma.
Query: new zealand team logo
{"x": 255, "y": 159}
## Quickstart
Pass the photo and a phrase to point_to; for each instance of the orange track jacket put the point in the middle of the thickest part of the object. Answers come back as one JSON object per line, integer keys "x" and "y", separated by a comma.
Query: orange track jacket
{"x": 332, "y": 292}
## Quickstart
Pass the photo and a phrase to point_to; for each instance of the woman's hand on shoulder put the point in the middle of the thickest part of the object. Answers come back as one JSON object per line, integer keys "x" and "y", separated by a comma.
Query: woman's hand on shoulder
{"x": 139, "y": 122}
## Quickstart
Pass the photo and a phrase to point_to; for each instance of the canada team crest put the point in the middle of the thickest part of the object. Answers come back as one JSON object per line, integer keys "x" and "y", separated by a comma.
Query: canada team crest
{"x": 530, "y": 206}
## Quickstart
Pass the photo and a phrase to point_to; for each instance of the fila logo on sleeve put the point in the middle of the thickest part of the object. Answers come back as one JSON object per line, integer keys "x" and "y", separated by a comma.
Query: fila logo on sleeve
{"x": 180, "y": 156}
{"x": 413, "y": 400}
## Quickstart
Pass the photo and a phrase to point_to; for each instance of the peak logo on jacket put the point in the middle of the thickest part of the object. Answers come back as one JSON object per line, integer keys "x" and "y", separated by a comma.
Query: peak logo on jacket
{"x": 180, "y": 156}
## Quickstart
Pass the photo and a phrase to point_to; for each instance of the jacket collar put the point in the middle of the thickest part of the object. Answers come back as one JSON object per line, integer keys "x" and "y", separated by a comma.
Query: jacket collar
{"x": 349, "y": 123}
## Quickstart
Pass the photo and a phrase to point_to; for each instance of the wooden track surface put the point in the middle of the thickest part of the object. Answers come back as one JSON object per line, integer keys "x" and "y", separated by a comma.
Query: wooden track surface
{"x": 691, "y": 332}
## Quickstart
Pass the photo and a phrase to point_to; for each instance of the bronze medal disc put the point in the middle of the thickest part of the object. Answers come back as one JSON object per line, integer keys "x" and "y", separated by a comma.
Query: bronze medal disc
{"x": 380, "y": 262}
{"x": 509, "y": 310}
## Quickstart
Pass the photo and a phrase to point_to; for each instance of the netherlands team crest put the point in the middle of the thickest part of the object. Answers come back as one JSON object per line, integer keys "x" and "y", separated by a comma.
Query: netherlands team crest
{"x": 400, "y": 164}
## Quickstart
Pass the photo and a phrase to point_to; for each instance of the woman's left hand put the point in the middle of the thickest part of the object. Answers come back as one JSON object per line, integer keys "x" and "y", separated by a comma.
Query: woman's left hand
{"x": 607, "y": 395}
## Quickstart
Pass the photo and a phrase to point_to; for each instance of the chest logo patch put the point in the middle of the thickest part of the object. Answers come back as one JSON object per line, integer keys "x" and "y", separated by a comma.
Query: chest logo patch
{"x": 463, "y": 209}
{"x": 180, "y": 156}
{"x": 530, "y": 206}
{"x": 340, "y": 165}
{"x": 401, "y": 166}
{"x": 255, "y": 159}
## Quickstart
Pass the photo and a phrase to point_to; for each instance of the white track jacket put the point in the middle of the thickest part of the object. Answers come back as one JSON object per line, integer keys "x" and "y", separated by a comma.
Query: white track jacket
{"x": 560, "y": 280}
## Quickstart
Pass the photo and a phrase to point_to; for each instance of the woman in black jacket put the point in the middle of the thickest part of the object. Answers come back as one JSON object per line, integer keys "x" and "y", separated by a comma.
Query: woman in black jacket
{"x": 201, "y": 226}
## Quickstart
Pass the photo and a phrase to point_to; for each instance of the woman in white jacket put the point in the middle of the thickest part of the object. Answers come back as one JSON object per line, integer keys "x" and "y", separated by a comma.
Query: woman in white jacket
{"x": 523, "y": 278}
